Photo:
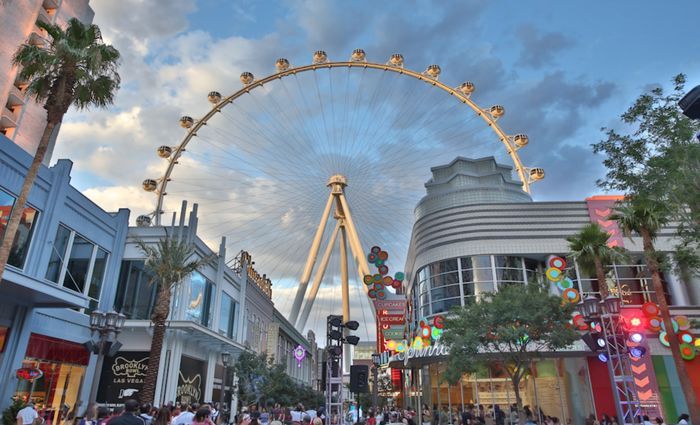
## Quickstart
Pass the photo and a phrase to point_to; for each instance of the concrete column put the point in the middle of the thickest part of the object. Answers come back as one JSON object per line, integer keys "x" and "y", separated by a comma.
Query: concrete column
{"x": 676, "y": 286}
{"x": 693, "y": 288}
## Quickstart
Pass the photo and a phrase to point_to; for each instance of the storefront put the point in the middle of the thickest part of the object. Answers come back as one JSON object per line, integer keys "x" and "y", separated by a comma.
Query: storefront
{"x": 63, "y": 365}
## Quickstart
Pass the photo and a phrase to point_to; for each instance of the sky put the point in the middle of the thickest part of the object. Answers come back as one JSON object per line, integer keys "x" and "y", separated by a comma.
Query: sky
{"x": 563, "y": 70}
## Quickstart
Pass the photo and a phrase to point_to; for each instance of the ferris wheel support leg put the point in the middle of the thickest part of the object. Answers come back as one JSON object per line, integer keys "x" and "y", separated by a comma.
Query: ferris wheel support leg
{"x": 344, "y": 273}
{"x": 322, "y": 266}
{"x": 308, "y": 268}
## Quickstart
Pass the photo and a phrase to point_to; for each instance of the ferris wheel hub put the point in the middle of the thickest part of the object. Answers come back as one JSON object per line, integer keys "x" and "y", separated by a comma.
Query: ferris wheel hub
{"x": 337, "y": 179}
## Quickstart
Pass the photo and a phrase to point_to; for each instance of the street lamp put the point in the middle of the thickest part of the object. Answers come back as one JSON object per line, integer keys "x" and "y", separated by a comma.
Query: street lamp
{"x": 225, "y": 361}
{"x": 376, "y": 361}
{"x": 105, "y": 325}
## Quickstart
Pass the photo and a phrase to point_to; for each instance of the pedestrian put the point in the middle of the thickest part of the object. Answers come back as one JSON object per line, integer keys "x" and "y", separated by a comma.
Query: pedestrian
{"x": 202, "y": 417}
{"x": 683, "y": 419}
{"x": 130, "y": 415}
{"x": 89, "y": 415}
{"x": 659, "y": 421}
{"x": 103, "y": 414}
{"x": 27, "y": 415}
{"x": 162, "y": 416}
{"x": 264, "y": 416}
{"x": 146, "y": 413}
{"x": 187, "y": 416}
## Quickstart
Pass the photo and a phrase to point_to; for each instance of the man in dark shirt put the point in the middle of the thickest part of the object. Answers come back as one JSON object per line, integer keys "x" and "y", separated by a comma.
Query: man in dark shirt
{"x": 130, "y": 415}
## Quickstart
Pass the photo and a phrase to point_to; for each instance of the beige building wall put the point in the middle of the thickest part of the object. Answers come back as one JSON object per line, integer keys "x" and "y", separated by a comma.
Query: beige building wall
{"x": 21, "y": 119}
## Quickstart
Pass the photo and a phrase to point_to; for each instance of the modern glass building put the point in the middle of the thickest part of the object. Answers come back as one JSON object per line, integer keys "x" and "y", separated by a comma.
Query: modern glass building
{"x": 475, "y": 231}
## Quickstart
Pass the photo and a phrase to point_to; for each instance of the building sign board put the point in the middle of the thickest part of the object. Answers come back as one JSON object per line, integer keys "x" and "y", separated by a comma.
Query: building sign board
{"x": 190, "y": 381}
{"x": 122, "y": 377}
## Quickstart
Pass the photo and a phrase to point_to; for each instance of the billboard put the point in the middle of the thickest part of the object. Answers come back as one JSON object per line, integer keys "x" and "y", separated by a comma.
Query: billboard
{"x": 122, "y": 377}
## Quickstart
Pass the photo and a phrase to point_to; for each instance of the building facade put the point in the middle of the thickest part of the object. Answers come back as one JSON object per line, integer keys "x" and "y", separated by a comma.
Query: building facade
{"x": 21, "y": 119}
{"x": 284, "y": 340}
{"x": 64, "y": 264}
{"x": 476, "y": 230}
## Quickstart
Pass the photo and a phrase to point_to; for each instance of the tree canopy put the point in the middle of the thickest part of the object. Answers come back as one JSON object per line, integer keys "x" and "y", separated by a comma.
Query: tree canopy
{"x": 508, "y": 327}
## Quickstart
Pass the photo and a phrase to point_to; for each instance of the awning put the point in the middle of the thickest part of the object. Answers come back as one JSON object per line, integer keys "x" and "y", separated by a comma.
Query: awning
{"x": 18, "y": 288}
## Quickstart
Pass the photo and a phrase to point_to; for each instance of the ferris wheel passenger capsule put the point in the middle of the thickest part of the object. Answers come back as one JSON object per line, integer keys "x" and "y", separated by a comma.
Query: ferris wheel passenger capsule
{"x": 537, "y": 174}
{"x": 149, "y": 185}
{"x": 143, "y": 221}
{"x": 467, "y": 88}
{"x": 186, "y": 122}
{"x": 247, "y": 78}
{"x": 396, "y": 60}
{"x": 433, "y": 71}
{"x": 521, "y": 140}
{"x": 497, "y": 111}
{"x": 281, "y": 64}
{"x": 214, "y": 97}
{"x": 358, "y": 55}
{"x": 320, "y": 57}
{"x": 165, "y": 151}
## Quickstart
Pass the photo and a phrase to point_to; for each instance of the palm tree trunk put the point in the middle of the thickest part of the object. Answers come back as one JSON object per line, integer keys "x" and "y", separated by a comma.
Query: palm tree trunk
{"x": 18, "y": 209}
{"x": 161, "y": 311}
{"x": 600, "y": 275}
{"x": 683, "y": 376}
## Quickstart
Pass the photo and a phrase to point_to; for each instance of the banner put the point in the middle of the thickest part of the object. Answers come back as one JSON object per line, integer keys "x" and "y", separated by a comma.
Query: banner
{"x": 122, "y": 377}
{"x": 394, "y": 332}
{"x": 391, "y": 319}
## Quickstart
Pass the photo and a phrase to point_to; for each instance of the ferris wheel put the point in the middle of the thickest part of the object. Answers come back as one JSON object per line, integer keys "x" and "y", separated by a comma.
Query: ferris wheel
{"x": 332, "y": 148}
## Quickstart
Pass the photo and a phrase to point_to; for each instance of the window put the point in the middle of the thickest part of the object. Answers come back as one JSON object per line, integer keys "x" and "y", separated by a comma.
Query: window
{"x": 23, "y": 237}
{"x": 509, "y": 269}
{"x": 136, "y": 295}
{"x": 199, "y": 299}
{"x": 84, "y": 269}
{"x": 227, "y": 316}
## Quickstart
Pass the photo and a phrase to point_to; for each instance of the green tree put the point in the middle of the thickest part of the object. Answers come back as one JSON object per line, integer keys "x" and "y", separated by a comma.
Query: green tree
{"x": 589, "y": 247}
{"x": 646, "y": 217}
{"x": 509, "y": 327}
{"x": 252, "y": 371}
{"x": 169, "y": 261}
{"x": 75, "y": 69}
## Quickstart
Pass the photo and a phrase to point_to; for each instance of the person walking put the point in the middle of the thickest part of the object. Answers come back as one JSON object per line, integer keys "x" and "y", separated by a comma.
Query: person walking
{"x": 162, "y": 417}
{"x": 130, "y": 415}
{"x": 27, "y": 415}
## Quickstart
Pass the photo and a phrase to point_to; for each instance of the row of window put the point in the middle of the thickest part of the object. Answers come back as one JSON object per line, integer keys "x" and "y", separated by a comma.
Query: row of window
{"x": 136, "y": 296}
{"x": 20, "y": 246}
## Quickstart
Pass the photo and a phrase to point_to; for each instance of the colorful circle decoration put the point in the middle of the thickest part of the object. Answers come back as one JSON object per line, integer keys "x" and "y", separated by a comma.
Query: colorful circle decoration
{"x": 557, "y": 263}
{"x": 401, "y": 347}
{"x": 377, "y": 277}
{"x": 383, "y": 255}
{"x": 571, "y": 295}
{"x": 565, "y": 284}
{"x": 387, "y": 280}
{"x": 685, "y": 337}
{"x": 391, "y": 345}
{"x": 673, "y": 323}
{"x": 554, "y": 275}
{"x": 596, "y": 327}
{"x": 371, "y": 257}
{"x": 381, "y": 294}
{"x": 687, "y": 351}
{"x": 417, "y": 343}
{"x": 368, "y": 279}
{"x": 383, "y": 270}
{"x": 437, "y": 333}
{"x": 663, "y": 337}
{"x": 439, "y": 321}
{"x": 399, "y": 276}
{"x": 396, "y": 284}
{"x": 654, "y": 323}
{"x": 580, "y": 322}
{"x": 375, "y": 250}
{"x": 299, "y": 354}
{"x": 425, "y": 331}
{"x": 372, "y": 293}
{"x": 683, "y": 322}
{"x": 651, "y": 309}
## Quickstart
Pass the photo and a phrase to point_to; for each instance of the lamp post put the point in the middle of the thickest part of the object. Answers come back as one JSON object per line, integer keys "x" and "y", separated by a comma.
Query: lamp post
{"x": 610, "y": 339}
{"x": 376, "y": 360}
{"x": 225, "y": 361}
{"x": 105, "y": 325}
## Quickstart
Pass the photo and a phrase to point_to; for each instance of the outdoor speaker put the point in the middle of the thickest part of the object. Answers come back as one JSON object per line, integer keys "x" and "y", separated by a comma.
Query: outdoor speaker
{"x": 690, "y": 104}
{"x": 359, "y": 376}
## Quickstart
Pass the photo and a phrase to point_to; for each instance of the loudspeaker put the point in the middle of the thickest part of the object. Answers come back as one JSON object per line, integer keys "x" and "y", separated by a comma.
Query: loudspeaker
{"x": 359, "y": 379}
{"x": 690, "y": 104}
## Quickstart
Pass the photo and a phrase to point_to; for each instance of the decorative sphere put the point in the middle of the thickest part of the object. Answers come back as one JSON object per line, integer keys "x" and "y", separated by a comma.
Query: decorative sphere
{"x": 521, "y": 140}
{"x": 358, "y": 55}
{"x": 320, "y": 57}
{"x": 467, "y": 88}
{"x": 497, "y": 111}
{"x": 214, "y": 97}
{"x": 247, "y": 78}
{"x": 149, "y": 185}
{"x": 165, "y": 151}
{"x": 433, "y": 71}
{"x": 282, "y": 64}
{"x": 186, "y": 122}
{"x": 537, "y": 174}
{"x": 143, "y": 221}
{"x": 396, "y": 59}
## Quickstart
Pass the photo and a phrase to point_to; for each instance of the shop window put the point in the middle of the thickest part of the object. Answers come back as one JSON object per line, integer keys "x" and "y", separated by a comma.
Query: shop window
{"x": 445, "y": 292}
{"x": 136, "y": 295}
{"x": 199, "y": 299}
{"x": 509, "y": 269}
{"x": 23, "y": 237}
{"x": 444, "y": 279}
{"x": 443, "y": 267}
{"x": 74, "y": 262}
{"x": 444, "y": 306}
{"x": 227, "y": 316}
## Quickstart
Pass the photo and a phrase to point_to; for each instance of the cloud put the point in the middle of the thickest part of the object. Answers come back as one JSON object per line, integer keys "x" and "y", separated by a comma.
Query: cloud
{"x": 540, "y": 48}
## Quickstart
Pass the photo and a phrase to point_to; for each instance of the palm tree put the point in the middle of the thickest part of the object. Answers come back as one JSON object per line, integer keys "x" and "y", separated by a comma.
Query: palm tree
{"x": 75, "y": 69}
{"x": 589, "y": 247}
{"x": 169, "y": 261}
{"x": 646, "y": 217}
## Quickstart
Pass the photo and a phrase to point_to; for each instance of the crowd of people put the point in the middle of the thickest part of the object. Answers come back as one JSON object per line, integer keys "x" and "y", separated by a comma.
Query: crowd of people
{"x": 132, "y": 413}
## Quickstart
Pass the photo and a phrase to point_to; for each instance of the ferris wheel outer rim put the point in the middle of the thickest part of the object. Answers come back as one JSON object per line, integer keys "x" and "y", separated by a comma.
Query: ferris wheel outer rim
{"x": 511, "y": 149}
